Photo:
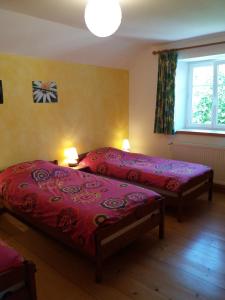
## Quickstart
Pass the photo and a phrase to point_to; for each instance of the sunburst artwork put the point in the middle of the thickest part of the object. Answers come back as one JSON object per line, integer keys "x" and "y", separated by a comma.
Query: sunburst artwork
{"x": 44, "y": 91}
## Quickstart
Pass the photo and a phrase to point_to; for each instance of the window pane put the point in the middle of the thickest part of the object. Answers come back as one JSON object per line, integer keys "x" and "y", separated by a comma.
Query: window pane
{"x": 202, "y": 105}
{"x": 221, "y": 95}
{"x": 203, "y": 75}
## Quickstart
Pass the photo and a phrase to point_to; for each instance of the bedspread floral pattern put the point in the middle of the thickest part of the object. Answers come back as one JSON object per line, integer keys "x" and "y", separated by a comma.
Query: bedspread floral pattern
{"x": 71, "y": 201}
{"x": 171, "y": 175}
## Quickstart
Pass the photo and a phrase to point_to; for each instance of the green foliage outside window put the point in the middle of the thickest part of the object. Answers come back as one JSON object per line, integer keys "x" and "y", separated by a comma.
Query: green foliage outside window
{"x": 221, "y": 103}
{"x": 203, "y": 111}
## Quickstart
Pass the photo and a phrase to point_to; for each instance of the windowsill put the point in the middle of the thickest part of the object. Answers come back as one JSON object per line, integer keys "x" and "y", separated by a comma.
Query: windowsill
{"x": 202, "y": 132}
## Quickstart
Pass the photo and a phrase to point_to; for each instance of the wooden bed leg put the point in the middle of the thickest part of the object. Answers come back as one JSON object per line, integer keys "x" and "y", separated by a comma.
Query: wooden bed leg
{"x": 98, "y": 267}
{"x": 30, "y": 279}
{"x": 98, "y": 271}
{"x": 180, "y": 208}
{"x": 1, "y": 210}
{"x": 162, "y": 219}
{"x": 210, "y": 192}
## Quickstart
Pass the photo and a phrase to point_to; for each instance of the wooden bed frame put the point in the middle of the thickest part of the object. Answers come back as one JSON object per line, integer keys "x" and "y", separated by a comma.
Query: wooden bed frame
{"x": 198, "y": 186}
{"x": 109, "y": 239}
{"x": 195, "y": 188}
{"x": 112, "y": 238}
{"x": 19, "y": 283}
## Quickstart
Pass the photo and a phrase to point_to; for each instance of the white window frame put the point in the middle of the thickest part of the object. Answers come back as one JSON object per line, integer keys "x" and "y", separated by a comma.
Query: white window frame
{"x": 214, "y": 125}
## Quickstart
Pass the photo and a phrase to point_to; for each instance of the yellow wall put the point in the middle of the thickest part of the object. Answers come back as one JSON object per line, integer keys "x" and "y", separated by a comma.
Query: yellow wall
{"x": 92, "y": 110}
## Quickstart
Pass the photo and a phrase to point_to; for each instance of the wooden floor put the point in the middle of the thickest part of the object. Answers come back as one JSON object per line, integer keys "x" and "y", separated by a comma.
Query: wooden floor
{"x": 188, "y": 264}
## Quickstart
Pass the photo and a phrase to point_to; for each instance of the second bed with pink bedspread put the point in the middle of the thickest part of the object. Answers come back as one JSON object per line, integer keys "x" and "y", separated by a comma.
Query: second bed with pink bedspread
{"x": 177, "y": 180}
{"x": 167, "y": 174}
{"x": 71, "y": 202}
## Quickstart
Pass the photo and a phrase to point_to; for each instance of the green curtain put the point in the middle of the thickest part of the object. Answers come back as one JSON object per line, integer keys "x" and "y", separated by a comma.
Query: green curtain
{"x": 165, "y": 100}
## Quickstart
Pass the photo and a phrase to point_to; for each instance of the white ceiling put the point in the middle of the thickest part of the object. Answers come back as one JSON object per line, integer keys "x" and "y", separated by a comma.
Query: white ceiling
{"x": 56, "y": 29}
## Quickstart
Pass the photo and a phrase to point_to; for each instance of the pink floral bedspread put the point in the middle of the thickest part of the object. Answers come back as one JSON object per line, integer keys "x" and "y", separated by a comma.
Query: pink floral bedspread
{"x": 9, "y": 257}
{"x": 166, "y": 174}
{"x": 73, "y": 202}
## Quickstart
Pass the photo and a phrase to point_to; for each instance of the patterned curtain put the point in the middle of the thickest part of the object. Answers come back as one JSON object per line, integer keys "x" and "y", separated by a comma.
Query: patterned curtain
{"x": 165, "y": 101}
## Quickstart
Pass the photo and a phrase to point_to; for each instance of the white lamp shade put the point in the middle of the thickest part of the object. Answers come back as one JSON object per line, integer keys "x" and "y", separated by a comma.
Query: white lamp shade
{"x": 126, "y": 145}
{"x": 103, "y": 17}
{"x": 71, "y": 155}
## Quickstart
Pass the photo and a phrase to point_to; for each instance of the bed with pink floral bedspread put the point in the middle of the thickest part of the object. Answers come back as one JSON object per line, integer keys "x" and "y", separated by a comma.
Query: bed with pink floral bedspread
{"x": 163, "y": 175}
{"x": 9, "y": 257}
{"x": 171, "y": 175}
{"x": 71, "y": 202}
{"x": 17, "y": 275}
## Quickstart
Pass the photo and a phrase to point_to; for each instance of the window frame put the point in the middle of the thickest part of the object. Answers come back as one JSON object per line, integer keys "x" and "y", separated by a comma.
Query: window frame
{"x": 191, "y": 65}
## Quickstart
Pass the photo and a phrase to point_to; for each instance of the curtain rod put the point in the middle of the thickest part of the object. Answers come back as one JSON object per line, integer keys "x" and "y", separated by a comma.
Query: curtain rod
{"x": 190, "y": 47}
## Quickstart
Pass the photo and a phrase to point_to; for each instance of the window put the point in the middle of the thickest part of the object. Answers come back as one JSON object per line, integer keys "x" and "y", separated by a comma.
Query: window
{"x": 206, "y": 95}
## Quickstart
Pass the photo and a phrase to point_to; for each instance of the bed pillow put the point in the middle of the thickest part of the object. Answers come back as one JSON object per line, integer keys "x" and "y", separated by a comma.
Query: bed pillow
{"x": 102, "y": 155}
{"x": 10, "y": 172}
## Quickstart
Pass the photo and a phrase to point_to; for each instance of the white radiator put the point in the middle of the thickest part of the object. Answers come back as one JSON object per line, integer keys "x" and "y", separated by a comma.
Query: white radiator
{"x": 207, "y": 155}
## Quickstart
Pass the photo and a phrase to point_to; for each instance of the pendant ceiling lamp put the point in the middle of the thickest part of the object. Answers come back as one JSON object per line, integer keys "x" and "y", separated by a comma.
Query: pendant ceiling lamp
{"x": 103, "y": 17}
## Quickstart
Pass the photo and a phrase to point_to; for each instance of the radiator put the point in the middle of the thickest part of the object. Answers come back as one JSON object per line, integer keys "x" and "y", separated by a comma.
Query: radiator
{"x": 207, "y": 155}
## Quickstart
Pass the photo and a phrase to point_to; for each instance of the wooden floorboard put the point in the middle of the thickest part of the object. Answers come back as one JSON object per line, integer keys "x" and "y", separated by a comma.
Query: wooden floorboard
{"x": 188, "y": 264}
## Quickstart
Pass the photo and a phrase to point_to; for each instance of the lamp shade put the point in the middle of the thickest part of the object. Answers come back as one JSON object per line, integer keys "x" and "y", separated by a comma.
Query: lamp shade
{"x": 103, "y": 17}
{"x": 126, "y": 145}
{"x": 71, "y": 156}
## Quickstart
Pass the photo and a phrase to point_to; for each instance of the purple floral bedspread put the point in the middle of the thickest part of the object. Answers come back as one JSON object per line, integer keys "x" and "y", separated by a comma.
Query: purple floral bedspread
{"x": 166, "y": 174}
{"x": 71, "y": 202}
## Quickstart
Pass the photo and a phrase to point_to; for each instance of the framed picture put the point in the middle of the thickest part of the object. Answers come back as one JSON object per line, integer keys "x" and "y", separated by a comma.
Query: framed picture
{"x": 44, "y": 91}
{"x": 1, "y": 93}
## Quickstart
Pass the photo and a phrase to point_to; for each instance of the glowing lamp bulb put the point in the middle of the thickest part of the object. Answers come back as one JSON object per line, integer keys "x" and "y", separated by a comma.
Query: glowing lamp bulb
{"x": 71, "y": 156}
{"x": 126, "y": 145}
{"x": 103, "y": 17}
